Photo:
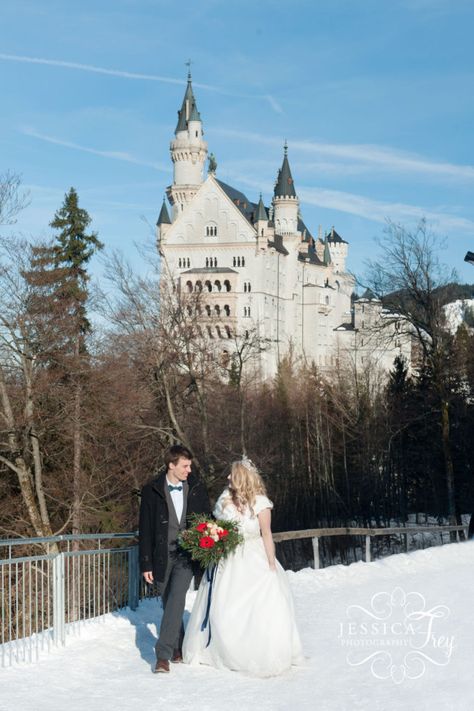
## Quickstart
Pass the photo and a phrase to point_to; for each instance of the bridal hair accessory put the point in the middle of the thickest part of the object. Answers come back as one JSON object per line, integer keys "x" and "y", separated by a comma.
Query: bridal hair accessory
{"x": 248, "y": 464}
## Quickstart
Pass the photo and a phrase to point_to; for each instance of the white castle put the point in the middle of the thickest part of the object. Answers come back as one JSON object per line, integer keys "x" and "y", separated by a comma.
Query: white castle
{"x": 259, "y": 270}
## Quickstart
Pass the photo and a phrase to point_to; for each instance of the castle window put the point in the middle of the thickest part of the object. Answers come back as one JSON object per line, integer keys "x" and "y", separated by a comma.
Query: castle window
{"x": 327, "y": 300}
{"x": 207, "y": 261}
{"x": 198, "y": 286}
{"x": 227, "y": 310}
{"x": 218, "y": 285}
{"x": 188, "y": 262}
{"x": 208, "y": 310}
{"x": 215, "y": 261}
{"x": 179, "y": 263}
{"x": 363, "y": 324}
{"x": 189, "y": 286}
{"x": 208, "y": 285}
{"x": 238, "y": 261}
{"x": 209, "y": 330}
{"x": 227, "y": 285}
{"x": 228, "y": 331}
{"x": 243, "y": 261}
{"x": 218, "y": 331}
{"x": 245, "y": 286}
{"x": 363, "y": 308}
{"x": 217, "y": 310}
{"x": 234, "y": 262}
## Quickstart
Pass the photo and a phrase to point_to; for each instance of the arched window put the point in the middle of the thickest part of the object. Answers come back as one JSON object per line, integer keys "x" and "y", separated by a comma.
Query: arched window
{"x": 238, "y": 261}
{"x": 243, "y": 261}
{"x": 208, "y": 310}
{"x": 188, "y": 262}
{"x": 217, "y": 310}
{"x": 249, "y": 287}
{"x": 189, "y": 286}
{"x": 227, "y": 310}
{"x": 218, "y": 285}
{"x": 228, "y": 331}
{"x": 208, "y": 285}
{"x": 209, "y": 330}
{"x": 198, "y": 310}
{"x": 234, "y": 262}
{"x": 218, "y": 331}
{"x": 245, "y": 286}
{"x": 207, "y": 261}
{"x": 327, "y": 300}
{"x": 198, "y": 286}
{"x": 179, "y": 263}
{"x": 227, "y": 285}
{"x": 215, "y": 261}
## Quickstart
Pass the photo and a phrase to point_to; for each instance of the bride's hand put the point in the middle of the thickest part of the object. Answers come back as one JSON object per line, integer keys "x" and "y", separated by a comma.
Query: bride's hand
{"x": 272, "y": 567}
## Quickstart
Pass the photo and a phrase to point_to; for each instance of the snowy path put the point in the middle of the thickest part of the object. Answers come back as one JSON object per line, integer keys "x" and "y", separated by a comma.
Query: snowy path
{"x": 108, "y": 668}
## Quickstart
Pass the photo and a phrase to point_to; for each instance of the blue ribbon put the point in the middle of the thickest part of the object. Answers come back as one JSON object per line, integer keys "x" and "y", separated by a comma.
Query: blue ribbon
{"x": 210, "y": 574}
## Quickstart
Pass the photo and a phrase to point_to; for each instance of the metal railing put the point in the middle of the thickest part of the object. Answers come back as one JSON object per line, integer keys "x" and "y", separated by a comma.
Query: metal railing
{"x": 46, "y": 597}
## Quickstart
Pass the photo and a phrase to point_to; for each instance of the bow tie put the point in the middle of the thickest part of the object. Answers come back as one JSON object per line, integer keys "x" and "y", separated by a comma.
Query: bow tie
{"x": 174, "y": 488}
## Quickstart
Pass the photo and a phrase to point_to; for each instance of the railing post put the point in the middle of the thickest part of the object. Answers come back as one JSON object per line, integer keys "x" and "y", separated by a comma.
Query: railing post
{"x": 367, "y": 549}
{"x": 133, "y": 578}
{"x": 316, "y": 552}
{"x": 59, "y": 612}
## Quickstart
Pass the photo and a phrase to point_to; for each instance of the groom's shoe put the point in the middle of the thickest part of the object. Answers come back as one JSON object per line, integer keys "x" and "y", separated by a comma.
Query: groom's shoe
{"x": 162, "y": 667}
{"x": 177, "y": 657}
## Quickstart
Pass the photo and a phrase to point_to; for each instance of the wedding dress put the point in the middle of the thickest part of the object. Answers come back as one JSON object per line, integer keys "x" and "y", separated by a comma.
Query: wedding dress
{"x": 251, "y": 619}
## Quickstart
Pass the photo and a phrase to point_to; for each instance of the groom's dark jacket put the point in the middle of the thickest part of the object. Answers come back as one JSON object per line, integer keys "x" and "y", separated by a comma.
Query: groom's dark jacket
{"x": 154, "y": 542}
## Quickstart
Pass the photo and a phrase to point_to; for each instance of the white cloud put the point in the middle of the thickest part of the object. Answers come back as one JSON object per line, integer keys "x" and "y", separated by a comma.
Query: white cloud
{"x": 115, "y": 155}
{"x": 136, "y": 75}
{"x": 382, "y": 157}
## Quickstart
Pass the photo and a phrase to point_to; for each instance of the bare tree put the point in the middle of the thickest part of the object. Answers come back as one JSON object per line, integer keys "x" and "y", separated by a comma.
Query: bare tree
{"x": 409, "y": 277}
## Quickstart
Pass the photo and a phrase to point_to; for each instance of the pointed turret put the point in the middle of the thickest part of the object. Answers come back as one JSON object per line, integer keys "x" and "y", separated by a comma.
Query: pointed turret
{"x": 284, "y": 186}
{"x": 188, "y": 153}
{"x": 327, "y": 253}
{"x": 261, "y": 214}
{"x": 285, "y": 200}
{"x": 163, "y": 217}
{"x": 188, "y": 111}
{"x": 163, "y": 223}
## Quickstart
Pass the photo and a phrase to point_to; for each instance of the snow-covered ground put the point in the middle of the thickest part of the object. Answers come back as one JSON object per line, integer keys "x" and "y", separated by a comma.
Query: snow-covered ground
{"x": 421, "y": 641}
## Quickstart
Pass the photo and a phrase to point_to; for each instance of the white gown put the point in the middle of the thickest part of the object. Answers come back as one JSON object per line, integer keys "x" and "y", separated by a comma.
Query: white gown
{"x": 251, "y": 617}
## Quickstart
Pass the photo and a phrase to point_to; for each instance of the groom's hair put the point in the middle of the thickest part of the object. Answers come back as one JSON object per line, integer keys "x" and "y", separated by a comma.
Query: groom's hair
{"x": 175, "y": 453}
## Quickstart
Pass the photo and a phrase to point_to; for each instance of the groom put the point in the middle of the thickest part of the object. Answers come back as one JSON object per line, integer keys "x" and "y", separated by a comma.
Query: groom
{"x": 166, "y": 504}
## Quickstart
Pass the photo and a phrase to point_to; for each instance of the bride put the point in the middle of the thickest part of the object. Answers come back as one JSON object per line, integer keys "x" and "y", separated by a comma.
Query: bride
{"x": 251, "y": 625}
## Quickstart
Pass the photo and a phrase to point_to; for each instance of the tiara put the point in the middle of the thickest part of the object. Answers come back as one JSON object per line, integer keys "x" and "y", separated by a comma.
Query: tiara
{"x": 248, "y": 464}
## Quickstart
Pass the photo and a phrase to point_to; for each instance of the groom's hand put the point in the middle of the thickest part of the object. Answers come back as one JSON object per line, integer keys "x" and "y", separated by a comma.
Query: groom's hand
{"x": 148, "y": 575}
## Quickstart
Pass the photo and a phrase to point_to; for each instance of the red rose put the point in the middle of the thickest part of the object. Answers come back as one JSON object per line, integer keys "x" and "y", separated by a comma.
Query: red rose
{"x": 224, "y": 533}
{"x": 206, "y": 542}
{"x": 201, "y": 527}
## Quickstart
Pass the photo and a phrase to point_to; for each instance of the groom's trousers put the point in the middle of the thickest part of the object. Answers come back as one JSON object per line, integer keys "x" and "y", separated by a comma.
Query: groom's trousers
{"x": 173, "y": 596}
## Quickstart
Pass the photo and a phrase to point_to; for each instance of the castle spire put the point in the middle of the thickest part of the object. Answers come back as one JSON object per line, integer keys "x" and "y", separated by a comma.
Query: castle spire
{"x": 188, "y": 111}
{"x": 164, "y": 217}
{"x": 261, "y": 213}
{"x": 284, "y": 186}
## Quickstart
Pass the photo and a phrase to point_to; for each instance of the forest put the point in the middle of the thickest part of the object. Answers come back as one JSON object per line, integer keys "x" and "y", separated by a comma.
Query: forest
{"x": 96, "y": 380}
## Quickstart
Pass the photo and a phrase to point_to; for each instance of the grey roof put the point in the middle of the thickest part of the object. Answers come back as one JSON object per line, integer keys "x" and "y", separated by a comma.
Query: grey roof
{"x": 284, "y": 185}
{"x": 345, "y": 327}
{"x": 261, "y": 213}
{"x": 327, "y": 254}
{"x": 210, "y": 270}
{"x": 277, "y": 244}
{"x": 246, "y": 207}
{"x": 368, "y": 295}
{"x": 311, "y": 257}
{"x": 334, "y": 237}
{"x": 189, "y": 102}
{"x": 164, "y": 218}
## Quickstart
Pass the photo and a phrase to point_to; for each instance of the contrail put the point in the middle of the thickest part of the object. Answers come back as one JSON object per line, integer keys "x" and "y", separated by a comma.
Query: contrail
{"x": 135, "y": 75}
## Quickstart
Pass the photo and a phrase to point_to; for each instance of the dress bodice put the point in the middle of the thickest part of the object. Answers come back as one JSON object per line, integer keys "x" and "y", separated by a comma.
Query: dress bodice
{"x": 247, "y": 520}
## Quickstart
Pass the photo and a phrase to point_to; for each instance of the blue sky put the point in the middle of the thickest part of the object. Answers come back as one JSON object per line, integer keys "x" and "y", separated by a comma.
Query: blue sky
{"x": 375, "y": 99}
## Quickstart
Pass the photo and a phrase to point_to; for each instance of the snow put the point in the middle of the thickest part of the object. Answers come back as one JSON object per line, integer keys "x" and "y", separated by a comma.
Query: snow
{"x": 108, "y": 667}
{"x": 455, "y": 313}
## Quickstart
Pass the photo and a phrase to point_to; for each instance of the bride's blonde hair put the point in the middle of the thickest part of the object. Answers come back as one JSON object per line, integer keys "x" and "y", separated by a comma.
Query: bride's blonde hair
{"x": 245, "y": 484}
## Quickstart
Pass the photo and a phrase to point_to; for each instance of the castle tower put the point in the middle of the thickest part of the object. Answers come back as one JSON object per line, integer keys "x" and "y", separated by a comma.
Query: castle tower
{"x": 338, "y": 249}
{"x": 162, "y": 224}
{"x": 261, "y": 219}
{"x": 285, "y": 200}
{"x": 188, "y": 153}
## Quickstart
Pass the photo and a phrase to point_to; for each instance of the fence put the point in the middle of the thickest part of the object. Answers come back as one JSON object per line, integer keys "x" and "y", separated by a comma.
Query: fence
{"x": 46, "y": 597}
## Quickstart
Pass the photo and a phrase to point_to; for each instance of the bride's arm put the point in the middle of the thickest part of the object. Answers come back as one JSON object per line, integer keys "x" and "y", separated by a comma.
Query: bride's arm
{"x": 264, "y": 519}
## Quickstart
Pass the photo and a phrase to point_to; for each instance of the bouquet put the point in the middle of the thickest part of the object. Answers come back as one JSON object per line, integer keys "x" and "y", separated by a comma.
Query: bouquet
{"x": 208, "y": 541}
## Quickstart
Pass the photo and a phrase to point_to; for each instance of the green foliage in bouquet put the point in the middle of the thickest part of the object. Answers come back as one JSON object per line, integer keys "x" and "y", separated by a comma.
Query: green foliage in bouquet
{"x": 208, "y": 541}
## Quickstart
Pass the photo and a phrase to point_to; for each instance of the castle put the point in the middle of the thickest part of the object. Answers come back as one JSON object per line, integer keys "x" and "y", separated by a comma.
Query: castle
{"x": 259, "y": 270}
